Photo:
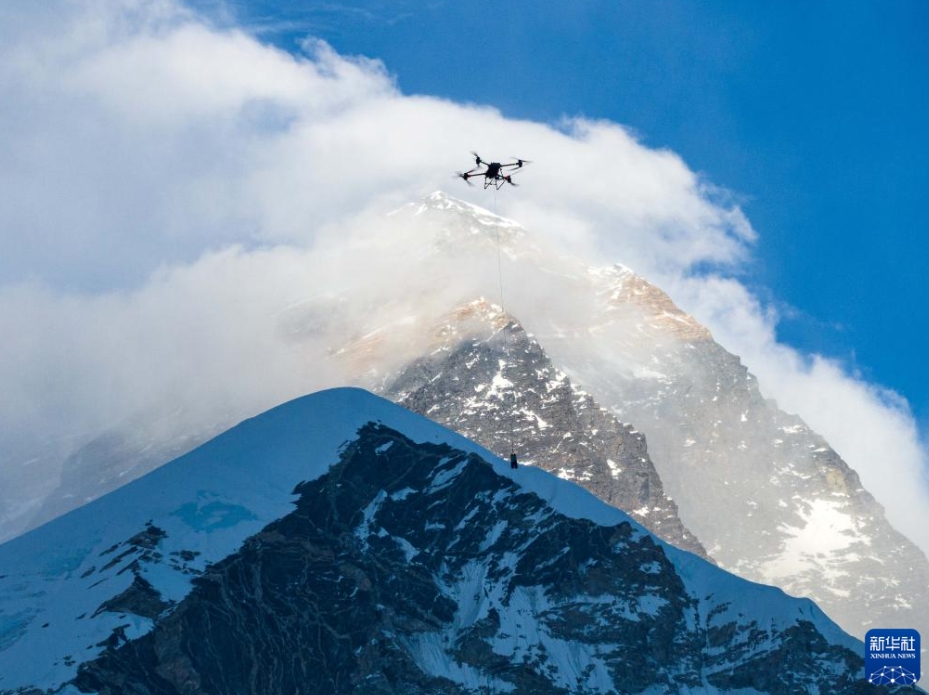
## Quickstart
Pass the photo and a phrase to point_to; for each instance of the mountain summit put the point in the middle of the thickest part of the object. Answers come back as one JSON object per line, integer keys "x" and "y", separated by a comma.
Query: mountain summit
{"x": 609, "y": 383}
{"x": 766, "y": 496}
{"x": 341, "y": 544}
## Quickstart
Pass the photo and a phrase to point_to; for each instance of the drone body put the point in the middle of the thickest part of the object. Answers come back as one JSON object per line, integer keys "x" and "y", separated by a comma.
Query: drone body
{"x": 494, "y": 173}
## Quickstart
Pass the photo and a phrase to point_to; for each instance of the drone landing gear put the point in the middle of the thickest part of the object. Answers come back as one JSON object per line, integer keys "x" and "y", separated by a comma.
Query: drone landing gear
{"x": 498, "y": 182}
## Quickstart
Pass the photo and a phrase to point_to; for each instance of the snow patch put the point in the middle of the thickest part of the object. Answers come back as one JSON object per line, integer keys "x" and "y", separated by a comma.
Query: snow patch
{"x": 826, "y": 532}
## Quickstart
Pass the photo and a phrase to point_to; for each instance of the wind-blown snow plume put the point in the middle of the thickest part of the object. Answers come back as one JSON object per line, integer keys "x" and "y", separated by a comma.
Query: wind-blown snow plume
{"x": 171, "y": 187}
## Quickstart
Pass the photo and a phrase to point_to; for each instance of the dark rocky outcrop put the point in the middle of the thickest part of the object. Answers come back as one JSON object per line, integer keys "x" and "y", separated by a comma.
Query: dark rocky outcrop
{"x": 416, "y": 568}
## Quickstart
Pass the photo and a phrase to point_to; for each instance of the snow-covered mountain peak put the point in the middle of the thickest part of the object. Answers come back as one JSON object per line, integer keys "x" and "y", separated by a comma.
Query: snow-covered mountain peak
{"x": 341, "y": 544}
{"x": 619, "y": 287}
{"x": 458, "y": 225}
{"x": 616, "y": 291}
{"x": 149, "y": 539}
{"x": 440, "y": 200}
{"x": 392, "y": 331}
{"x": 471, "y": 316}
{"x": 479, "y": 319}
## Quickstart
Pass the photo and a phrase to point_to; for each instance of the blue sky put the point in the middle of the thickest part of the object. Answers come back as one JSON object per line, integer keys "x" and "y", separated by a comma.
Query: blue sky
{"x": 814, "y": 115}
{"x": 171, "y": 179}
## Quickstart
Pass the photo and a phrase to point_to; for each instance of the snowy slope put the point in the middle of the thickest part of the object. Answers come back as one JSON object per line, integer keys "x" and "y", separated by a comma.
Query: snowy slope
{"x": 767, "y": 497}
{"x": 206, "y": 503}
{"x": 86, "y": 586}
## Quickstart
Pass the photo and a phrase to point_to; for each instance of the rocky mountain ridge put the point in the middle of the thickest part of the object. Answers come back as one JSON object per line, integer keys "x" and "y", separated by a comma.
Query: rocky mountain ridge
{"x": 769, "y": 498}
{"x": 413, "y": 562}
{"x": 491, "y": 382}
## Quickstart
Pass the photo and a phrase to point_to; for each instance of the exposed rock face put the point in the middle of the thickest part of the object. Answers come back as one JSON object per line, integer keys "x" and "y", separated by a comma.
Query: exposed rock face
{"x": 491, "y": 382}
{"x": 140, "y": 599}
{"x": 769, "y": 498}
{"x": 416, "y": 568}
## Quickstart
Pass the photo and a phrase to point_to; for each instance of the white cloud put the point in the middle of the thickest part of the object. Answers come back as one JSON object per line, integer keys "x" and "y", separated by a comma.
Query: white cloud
{"x": 169, "y": 186}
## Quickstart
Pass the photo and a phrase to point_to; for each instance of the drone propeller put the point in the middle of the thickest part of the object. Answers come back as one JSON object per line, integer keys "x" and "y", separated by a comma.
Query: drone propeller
{"x": 518, "y": 164}
{"x": 477, "y": 158}
{"x": 464, "y": 175}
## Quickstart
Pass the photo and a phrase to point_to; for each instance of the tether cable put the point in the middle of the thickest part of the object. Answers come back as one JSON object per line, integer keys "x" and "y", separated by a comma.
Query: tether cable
{"x": 506, "y": 323}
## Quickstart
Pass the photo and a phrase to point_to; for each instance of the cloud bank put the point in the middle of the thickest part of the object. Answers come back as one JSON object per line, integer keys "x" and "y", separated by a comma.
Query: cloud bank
{"x": 170, "y": 188}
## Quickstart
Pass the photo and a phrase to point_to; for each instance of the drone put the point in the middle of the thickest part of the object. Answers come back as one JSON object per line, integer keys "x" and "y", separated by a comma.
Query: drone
{"x": 494, "y": 173}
